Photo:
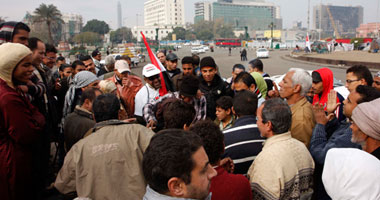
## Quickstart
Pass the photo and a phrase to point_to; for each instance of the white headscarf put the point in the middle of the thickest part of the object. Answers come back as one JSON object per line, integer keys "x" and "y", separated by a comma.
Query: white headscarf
{"x": 351, "y": 174}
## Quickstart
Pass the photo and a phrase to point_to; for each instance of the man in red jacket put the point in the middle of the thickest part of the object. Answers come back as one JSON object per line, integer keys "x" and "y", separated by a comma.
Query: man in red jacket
{"x": 224, "y": 185}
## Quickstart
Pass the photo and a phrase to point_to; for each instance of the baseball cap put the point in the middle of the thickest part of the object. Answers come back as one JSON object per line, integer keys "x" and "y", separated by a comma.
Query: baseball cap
{"x": 172, "y": 57}
{"x": 150, "y": 70}
{"x": 95, "y": 53}
{"x": 122, "y": 66}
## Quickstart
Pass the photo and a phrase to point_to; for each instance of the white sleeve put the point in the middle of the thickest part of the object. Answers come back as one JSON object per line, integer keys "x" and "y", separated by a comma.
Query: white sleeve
{"x": 140, "y": 101}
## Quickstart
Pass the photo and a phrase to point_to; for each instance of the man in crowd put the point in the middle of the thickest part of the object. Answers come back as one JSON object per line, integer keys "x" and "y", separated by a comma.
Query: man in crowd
{"x": 211, "y": 85}
{"x": 15, "y": 32}
{"x": 243, "y": 141}
{"x": 111, "y": 157}
{"x": 171, "y": 65}
{"x": 97, "y": 57}
{"x": 187, "y": 69}
{"x": 358, "y": 75}
{"x": 294, "y": 87}
{"x": 81, "y": 120}
{"x": 196, "y": 61}
{"x": 187, "y": 93}
{"x": 176, "y": 166}
{"x": 127, "y": 85}
{"x": 366, "y": 127}
{"x": 178, "y": 114}
{"x": 162, "y": 57}
{"x": 257, "y": 65}
{"x": 109, "y": 66}
{"x": 88, "y": 63}
{"x": 376, "y": 81}
{"x": 245, "y": 81}
{"x": 291, "y": 173}
{"x": 49, "y": 62}
{"x": 150, "y": 91}
{"x": 225, "y": 185}
{"x": 236, "y": 70}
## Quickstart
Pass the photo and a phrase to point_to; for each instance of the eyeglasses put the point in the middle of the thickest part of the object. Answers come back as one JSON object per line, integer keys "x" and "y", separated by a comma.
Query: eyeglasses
{"x": 351, "y": 81}
{"x": 152, "y": 78}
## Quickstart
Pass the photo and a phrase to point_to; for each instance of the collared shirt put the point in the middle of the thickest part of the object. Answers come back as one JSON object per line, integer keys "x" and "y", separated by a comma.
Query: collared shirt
{"x": 200, "y": 107}
{"x": 242, "y": 143}
{"x": 153, "y": 195}
{"x": 143, "y": 96}
{"x": 302, "y": 121}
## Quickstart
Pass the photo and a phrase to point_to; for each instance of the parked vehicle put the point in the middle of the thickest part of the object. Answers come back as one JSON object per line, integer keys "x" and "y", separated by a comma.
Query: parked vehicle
{"x": 262, "y": 53}
{"x": 197, "y": 50}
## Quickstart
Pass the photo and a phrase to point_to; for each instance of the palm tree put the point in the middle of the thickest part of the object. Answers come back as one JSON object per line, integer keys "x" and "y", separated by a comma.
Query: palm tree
{"x": 50, "y": 15}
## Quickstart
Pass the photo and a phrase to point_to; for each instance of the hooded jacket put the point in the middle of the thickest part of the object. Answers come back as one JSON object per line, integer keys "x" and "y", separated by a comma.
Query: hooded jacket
{"x": 20, "y": 128}
{"x": 6, "y": 31}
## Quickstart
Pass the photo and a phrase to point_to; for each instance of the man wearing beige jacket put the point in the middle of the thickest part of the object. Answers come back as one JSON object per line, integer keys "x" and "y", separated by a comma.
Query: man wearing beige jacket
{"x": 107, "y": 164}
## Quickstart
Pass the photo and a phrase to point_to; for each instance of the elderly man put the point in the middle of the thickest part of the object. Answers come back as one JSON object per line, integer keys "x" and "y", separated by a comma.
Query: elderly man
{"x": 108, "y": 163}
{"x": 108, "y": 69}
{"x": 294, "y": 87}
{"x": 284, "y": 168}
{"x": 176, "y": 166}
{"x": 366, "y": 127}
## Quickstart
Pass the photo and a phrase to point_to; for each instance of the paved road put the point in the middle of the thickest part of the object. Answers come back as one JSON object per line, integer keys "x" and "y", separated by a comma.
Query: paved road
{"x": 277, "y": 64}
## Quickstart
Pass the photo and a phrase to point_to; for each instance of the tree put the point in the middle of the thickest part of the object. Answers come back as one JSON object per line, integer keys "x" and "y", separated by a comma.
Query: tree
{"x": 89, "y": 38}
{"x": 50, "y": 15}
{"x": 179, "y": 32}
{"x": 96, "y": 26}
{"x": 121, "y": 34}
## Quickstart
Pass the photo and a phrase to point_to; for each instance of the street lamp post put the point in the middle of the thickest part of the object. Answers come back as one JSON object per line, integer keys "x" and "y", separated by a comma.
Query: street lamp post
{"x": 271, "y": 26}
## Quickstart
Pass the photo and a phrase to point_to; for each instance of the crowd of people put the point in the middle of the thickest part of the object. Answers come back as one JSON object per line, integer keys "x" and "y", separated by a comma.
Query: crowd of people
{"x": 88, "y": 130}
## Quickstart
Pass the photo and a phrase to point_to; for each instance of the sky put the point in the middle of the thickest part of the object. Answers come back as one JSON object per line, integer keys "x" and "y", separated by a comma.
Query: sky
{"x": 132, "y": 10}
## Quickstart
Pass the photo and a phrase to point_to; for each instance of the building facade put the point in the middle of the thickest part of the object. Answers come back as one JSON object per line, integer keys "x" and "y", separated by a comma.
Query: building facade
{"x": 150, "y": 32}
{"x": 73, "y": 25}
{"x": 203, "y": 11}
{"x": 164, "y": 12}
{"x": 345, "y": 18}
{"x": 368, "y": 30}
{"x": 256, "y": 15}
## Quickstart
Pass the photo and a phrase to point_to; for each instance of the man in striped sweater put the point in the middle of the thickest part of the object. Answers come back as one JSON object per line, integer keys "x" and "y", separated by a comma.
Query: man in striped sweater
{"x": 243, "y": 141}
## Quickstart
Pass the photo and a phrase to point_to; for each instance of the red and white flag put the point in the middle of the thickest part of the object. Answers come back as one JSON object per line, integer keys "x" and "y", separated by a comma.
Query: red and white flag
{"x": 154, "y": 60}
{"x": 308, "y": 42}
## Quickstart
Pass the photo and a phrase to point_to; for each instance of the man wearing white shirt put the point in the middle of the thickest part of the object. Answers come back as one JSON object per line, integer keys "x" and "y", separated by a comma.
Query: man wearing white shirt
{"x": 151, "y": 89}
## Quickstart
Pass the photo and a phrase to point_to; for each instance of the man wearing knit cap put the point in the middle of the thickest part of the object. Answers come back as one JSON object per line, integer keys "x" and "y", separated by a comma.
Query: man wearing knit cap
{"x": 151, "y": 89}
{"x": 127, "y": 85}
{"x": 211, "y": 85}
{"x": 15, "y": 32}
{"x": 366, "y": 127}
{"x": 376, "y": 81}
{"x": 187, "y": 93}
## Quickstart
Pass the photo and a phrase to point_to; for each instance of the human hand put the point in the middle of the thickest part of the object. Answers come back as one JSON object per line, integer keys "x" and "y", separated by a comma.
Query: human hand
{"x": 130, "y": 120}
{"x": 320, "y": 115}
{"x": 23, "y": 88}
{"x": 274, "y": 93}
{"x": 227, "y": 164}
{"x": 151, "y": 124}
{"x": 332, "y": 105}
{"x": 57, "y": 84}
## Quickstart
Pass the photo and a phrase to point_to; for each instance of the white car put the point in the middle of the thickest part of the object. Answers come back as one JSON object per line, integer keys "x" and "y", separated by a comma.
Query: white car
{"x": 338, "y": 85}
{"x": 206, "y": 48}
{"x": 197, "y": 50}
{"x": 262, "y": 53}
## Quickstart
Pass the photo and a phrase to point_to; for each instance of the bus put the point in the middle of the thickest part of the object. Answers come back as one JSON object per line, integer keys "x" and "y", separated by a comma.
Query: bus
{"x": 228, "y": 42}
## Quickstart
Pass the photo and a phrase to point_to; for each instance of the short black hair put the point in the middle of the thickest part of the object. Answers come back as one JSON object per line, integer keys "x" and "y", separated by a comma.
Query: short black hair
{"x": 169, "y": 155}
{"x": 85, "y": 57}
{"x": 362, "y": 72}
{"x": 256, "y": 63}
{"x": 50, "y": 49}
{"x": 76, "y": 63}
{"x": 20, "y": 26}
{"x": 224, "y": 102}
{"x": 90, "y": 94}
{"x": 367, "y": 93}
{"x": 64, "y": 66}
{"x": 212, "y": 138}
{"x": 33, "y": 43}
{"x": 125, "y": 57}
{"x": 187, "y": 60}
{"x": 60, "y": 58}
{"x": 245, "y": 78}
{"x": 196, "y": 60}
{"x": 278, "y": 112}
{"x": 106, "y": 107}
{"x": 238, "y": 66}
{"x": 316, "y": 77}
{"x": 177, "y": 114}
{"x": 245, "y": 103}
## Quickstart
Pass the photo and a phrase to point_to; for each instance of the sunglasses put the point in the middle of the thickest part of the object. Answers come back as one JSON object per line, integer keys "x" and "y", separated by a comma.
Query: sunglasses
{"x": 152, "y": 78}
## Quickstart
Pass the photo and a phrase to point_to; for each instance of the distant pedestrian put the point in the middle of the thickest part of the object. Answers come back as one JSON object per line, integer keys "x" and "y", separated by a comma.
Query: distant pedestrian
{"x": 229, "y": 51}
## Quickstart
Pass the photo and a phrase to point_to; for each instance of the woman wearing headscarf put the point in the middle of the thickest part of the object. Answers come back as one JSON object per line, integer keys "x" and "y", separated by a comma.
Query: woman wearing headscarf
{"x": 351, "y": 174}
{"x": 20, "y": 125}
{"x": 262, "y": 87}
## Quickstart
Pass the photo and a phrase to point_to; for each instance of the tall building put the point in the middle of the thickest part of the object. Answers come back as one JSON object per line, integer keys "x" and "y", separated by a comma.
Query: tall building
{"x": 256, "y": 15}
{"x": 73, "y": 25}
{"x": 203, "y": 11}
{"x": 119, "y": 16}
{"x": 164, "y": 12}
{"x": 368, "y": 30}
{"x": 345, "y": 18}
